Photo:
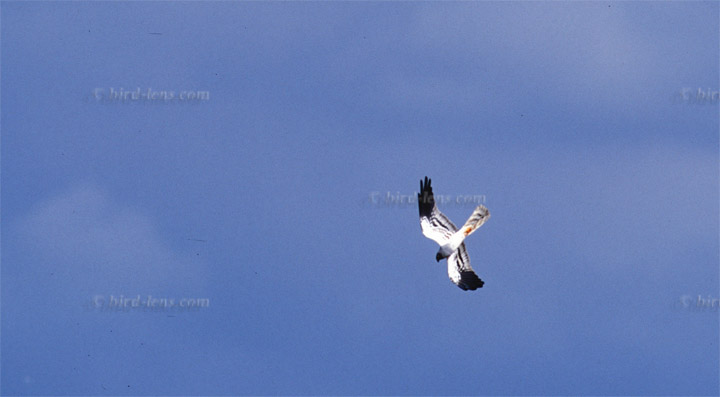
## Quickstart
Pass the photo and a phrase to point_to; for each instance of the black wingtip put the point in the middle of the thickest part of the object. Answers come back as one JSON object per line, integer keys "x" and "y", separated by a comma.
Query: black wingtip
{"x": 470, "y": 281}
{"x": 426, "y": 200}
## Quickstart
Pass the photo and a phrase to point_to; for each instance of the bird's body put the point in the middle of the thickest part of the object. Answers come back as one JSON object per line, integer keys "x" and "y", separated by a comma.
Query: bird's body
{"x": 437, "y": 227}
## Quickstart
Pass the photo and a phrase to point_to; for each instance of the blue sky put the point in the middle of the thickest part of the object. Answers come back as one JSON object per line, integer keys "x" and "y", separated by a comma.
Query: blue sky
{"x": 583, "y": 126}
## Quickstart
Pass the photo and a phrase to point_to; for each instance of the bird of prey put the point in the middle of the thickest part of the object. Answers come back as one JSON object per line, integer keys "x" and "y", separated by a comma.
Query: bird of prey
{"x": 437, "y": 227}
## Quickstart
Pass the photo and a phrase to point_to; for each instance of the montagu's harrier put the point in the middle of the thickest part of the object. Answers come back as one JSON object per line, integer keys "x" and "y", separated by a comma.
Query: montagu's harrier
{"x": 437, "y": 227}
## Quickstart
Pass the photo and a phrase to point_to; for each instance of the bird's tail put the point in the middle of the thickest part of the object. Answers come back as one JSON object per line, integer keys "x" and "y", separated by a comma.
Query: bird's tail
{"x": 478, "y": 217}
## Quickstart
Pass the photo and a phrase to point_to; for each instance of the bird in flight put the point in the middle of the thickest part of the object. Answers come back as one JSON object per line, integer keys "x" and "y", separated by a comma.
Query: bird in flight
{"x": 437, "y": 227}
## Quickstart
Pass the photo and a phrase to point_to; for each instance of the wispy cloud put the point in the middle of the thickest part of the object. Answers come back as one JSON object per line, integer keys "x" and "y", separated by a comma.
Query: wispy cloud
{"x": 96, "y": 244}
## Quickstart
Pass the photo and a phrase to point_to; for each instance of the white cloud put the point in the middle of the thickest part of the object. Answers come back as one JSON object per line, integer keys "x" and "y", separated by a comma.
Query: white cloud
{"x": 585, "y": 54}
{"x": 97, "y": 245}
